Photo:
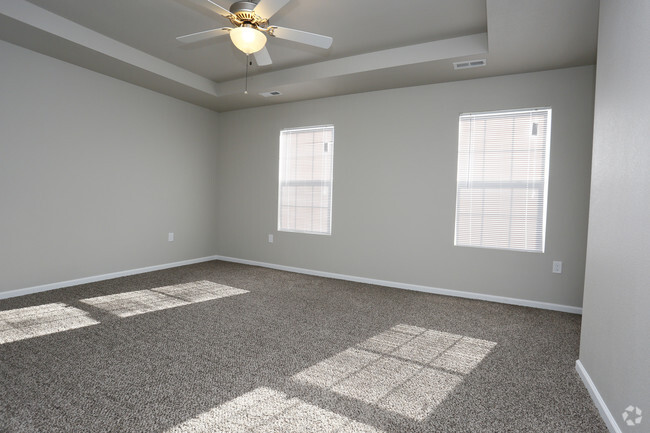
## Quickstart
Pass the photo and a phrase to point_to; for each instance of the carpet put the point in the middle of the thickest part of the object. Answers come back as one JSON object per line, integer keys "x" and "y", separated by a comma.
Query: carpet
{"x": 225, "y": 347}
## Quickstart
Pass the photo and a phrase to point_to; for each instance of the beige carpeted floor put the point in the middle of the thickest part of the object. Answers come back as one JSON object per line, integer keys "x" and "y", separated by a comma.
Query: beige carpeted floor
{"x": 223, "y": 347}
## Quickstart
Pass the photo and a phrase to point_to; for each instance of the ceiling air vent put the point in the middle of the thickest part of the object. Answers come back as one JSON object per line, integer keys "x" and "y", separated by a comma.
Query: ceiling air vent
{"x": 271, "y": 93}
{"x": 470, "y": 64}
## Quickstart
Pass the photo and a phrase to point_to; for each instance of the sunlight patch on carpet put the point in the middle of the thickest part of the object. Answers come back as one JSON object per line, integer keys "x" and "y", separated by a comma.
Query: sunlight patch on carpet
{"x": 265, "y": 410}
{"x": 22, "y": 323}
{"x": 161, "y": 298}
{"x": 406, "y": 370}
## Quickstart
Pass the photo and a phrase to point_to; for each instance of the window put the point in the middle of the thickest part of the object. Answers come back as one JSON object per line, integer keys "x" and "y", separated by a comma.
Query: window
{"x": 305, "y": 184}
{"x": 502, "y": 179}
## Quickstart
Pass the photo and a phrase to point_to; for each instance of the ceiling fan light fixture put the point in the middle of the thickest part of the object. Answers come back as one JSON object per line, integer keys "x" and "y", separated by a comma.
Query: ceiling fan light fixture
{"x": 248, "y": 39}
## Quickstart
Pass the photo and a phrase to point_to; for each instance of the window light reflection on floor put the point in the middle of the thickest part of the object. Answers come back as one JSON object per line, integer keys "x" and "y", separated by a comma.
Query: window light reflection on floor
{"x": 22, "y": 323}
{"x": 267, "y": 410}
{"x": 161, "y": 298}
{"x": 406, "y": 370}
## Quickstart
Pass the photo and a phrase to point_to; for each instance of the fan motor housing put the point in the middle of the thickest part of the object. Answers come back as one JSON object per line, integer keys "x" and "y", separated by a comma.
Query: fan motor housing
{"x": 245, "y": 12}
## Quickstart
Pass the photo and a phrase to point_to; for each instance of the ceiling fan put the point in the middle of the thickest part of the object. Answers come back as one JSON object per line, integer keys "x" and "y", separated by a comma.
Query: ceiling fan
{"x": 251, "y": 26}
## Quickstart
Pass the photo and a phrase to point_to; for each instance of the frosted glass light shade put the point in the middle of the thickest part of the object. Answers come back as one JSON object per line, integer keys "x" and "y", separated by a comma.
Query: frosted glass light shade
{"x": 248, "y": 39}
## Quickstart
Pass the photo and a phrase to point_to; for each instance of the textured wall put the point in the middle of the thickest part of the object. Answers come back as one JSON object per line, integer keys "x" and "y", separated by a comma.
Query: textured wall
{"x": 615, "y": 345}
{"x": 394, "y": 186}
{"x": 95, "y": 172}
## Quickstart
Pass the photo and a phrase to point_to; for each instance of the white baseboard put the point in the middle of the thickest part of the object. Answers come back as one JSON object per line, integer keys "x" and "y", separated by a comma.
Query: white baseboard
{"x": 92, "y": 279}
{"x": 605, "y": 413}
{"x": 418, "y": 288}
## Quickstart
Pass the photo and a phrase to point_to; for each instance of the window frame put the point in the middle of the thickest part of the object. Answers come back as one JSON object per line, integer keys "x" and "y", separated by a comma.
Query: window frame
{"x": 541, "y": 186}
{"x": 282, "y": 182}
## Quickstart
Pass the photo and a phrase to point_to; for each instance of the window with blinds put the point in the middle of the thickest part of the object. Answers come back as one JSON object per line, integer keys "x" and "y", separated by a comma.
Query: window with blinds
{"x": 503, "y": 179}
{"x": 305, "y": 180}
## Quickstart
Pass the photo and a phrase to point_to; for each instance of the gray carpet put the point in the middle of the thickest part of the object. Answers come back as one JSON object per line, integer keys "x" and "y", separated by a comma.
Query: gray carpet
{"x": 223, "y": 347}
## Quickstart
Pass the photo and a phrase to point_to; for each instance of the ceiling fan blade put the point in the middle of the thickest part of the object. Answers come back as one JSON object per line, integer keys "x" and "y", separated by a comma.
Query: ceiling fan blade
{"x": 306, "y": 38}
{"x": 200, "y": 36}
{"x": 262, "y": 57}
{"x": 215, "y": 7}
{"x": 268, "y": 8}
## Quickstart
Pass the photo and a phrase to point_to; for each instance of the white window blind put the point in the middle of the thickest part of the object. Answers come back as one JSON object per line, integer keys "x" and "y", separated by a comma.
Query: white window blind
{"x": 503, "y": 179}
{"x": 306, "y": 169}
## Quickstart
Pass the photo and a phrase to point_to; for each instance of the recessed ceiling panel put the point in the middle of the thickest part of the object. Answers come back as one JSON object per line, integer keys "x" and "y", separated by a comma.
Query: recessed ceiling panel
{"x": 378, "y": 44}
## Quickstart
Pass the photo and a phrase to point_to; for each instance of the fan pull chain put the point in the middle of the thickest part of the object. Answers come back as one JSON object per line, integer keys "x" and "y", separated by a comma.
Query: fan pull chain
{"x": 246, "y": 83}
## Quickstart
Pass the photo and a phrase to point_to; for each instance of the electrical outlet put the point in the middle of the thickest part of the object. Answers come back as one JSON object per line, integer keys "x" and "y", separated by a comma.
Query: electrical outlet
{"x": 170, "y": 237}
{"x": 557, "y": 267}
{"x": 270, "y": 239}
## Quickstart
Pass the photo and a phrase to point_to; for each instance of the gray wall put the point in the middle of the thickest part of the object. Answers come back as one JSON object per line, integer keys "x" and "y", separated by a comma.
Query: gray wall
{"x": 394, "y": 186}
{"x": 615, "y": 343}
{"x": 95, "y": 172}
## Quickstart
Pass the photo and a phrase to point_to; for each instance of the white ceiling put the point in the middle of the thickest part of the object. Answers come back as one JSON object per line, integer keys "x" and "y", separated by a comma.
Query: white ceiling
{"x": 377, "y": 44}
